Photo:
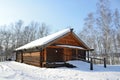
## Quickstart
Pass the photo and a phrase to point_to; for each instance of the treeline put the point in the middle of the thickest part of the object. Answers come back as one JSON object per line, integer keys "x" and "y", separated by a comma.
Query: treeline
{"x": 18, "y": 34}
{"x": 102, "y": 32}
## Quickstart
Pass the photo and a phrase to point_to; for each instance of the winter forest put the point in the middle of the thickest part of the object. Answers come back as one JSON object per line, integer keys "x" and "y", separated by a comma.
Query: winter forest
{"x": 18, "y": 34}
{"x": 101, "y": 32}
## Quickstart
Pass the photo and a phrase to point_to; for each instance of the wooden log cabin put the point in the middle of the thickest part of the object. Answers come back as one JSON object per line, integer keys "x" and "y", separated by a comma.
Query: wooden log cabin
{"x": 61, "y": 46}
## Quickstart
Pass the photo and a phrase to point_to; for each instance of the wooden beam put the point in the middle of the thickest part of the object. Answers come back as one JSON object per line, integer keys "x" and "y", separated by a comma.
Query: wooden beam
{"x": 88, "y": 55}
{"x": 104, "y": 63}
{"x": 45, "y": 57}
{"x": 21, "y": 57}
{"x": 76, "y": 53}
{"x": 40, "y": 59}
{"x": 54, "y": 47}
{"x": 91, "y": 64}
{"x": 16, "y": 55}
{"x": 65, "y": 59}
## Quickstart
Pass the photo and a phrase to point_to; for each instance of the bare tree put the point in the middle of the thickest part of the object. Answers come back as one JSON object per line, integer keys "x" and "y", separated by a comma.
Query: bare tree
{"x": 104, "y": 23}
{"x": 17, "y": 29}
{"x": 117, "y": 24}
{"x": 18, "y": 34}
{"x": 43, "y": 30}
{"x": 88, "y": 31}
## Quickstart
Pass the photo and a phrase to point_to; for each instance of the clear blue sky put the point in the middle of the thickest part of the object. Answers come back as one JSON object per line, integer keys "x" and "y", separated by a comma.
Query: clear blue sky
{"x": 57, "y": 14}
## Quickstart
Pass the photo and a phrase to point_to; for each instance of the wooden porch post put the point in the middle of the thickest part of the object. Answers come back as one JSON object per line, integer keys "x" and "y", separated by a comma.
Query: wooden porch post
{"x": 104, "y": 63}
{"x": 88, "y": 55}
{"x": 76, "y": 54}
{"x": 45, "y": 57}
{"x": 65, "y": 57}
{"x": 91, "y": 64}
{"x": 40, "y": 59}
{"x": 21, "y": 56}
{"x": 16, "y": 55}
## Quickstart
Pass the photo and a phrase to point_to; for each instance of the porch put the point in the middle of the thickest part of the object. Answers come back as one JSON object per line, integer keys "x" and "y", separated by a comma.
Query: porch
{"x": 56, "y": 56}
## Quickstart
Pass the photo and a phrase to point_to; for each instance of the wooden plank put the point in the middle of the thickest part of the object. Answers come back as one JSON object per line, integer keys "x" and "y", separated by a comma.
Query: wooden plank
{"x": 68, "y": 40}
{"x": 31, "y": 58}
{"x": 31, "y": 54}
{"x": 45, "y": 57}
{"x": 32, "y": 63}
{"x": 67, "y": 54}
{"x": 54, "y": 46}
{"x": 98, "y": 59}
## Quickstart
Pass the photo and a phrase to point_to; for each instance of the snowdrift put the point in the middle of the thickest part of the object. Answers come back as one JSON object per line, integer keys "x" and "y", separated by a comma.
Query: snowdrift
{"x": 20, "y": 71}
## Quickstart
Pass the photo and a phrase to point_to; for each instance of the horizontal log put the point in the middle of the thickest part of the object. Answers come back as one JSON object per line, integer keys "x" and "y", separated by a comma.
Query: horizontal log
{"x": 29, "y": 60}
{"x": 38, "y": 58}
{"x": 31, "y": 63}
{"x": 97, "y": 58}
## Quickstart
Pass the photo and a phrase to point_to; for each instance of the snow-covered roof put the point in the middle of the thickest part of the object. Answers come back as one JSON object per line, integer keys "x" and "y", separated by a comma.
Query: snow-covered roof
{"x": 44, "y": 40}
{"x": 69, "y": 46}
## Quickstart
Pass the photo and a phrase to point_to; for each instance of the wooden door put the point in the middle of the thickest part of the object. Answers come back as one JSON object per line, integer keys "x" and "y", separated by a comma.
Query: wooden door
{"x": 55, "y": 55}
{"x": 73, "y": 54}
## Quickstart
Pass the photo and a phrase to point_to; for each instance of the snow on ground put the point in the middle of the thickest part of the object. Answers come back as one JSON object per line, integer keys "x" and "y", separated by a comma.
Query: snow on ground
{"x": 20, "y": 71}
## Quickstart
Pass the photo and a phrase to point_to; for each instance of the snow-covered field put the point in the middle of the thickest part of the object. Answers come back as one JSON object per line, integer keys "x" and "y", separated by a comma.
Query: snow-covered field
{"x": 20, "y": 71}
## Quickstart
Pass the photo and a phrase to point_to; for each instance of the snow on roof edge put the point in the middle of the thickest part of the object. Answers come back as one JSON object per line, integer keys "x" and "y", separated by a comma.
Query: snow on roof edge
{"x": 44, "y": 40}
{"x": 70, "y": 46}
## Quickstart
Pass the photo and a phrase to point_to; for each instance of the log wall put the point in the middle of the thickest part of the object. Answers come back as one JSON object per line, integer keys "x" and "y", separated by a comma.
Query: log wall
{"x": 67, "y": 53}
{"x": 32, "y": 58}
{"x": 18, "y": 57}
{"x": 68, "y": 40}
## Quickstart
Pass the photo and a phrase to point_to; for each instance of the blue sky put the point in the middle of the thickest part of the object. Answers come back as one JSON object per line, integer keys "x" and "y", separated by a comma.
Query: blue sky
{"x": 57, "y": 14}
